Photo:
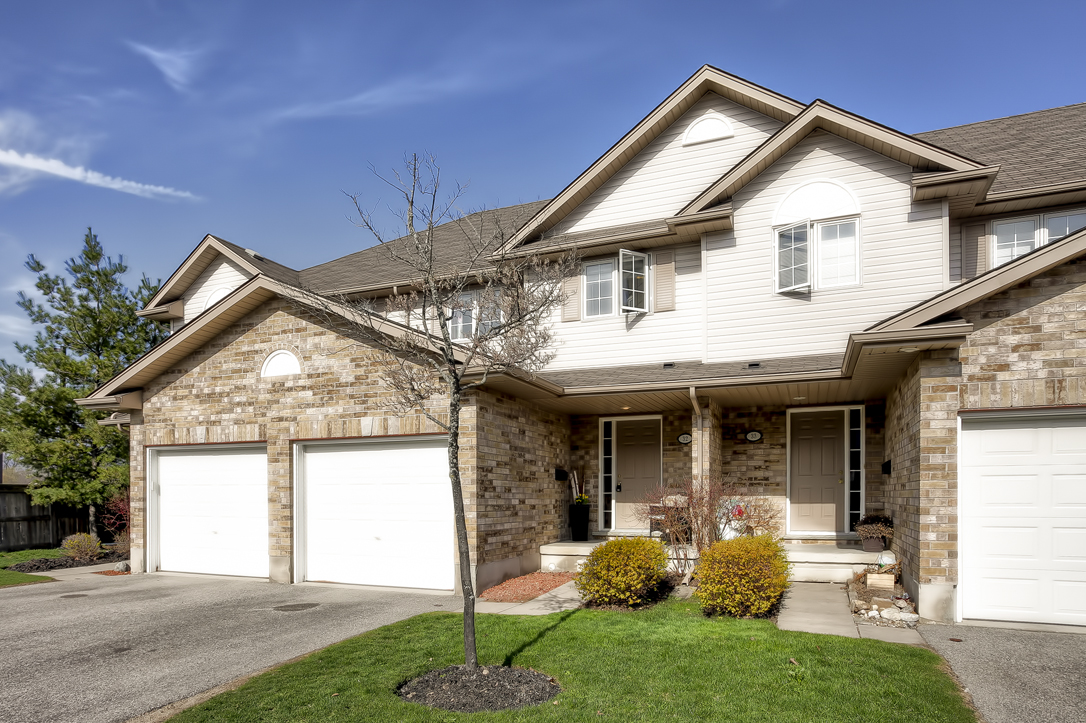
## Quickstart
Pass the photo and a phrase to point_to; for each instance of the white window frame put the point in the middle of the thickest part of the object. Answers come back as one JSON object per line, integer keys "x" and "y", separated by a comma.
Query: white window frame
{"x": 1040, "y": 231}
{"x": 814, "y": 253}
{"x": 455, "y": 330}
{"x": 633, "y": 256}
{"x": 584, "y": 288}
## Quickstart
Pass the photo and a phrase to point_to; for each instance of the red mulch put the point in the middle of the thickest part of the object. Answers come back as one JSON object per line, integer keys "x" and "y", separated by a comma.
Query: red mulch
{"x": 527, "y": 587}
{"x": 111, "y": 573}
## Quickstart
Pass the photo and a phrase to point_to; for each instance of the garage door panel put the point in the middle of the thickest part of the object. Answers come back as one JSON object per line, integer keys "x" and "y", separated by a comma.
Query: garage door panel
{"x": 379, "y": 514}
{"x": 213, "y": 512}
{"x": 1023, "y": 520}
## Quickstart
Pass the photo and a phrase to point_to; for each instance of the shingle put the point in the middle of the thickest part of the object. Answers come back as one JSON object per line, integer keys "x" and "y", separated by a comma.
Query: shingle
{"x": 683, "y": 372}
{"x": 1034, "y": 149}
{"x": 271, "y": 269}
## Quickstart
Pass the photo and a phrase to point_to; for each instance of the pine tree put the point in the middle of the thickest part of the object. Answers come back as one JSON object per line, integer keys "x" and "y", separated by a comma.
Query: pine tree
{"x": 88, "y": 332}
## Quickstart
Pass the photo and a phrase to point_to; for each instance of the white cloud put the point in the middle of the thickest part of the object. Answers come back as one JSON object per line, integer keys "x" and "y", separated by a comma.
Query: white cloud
{"x": 400, "y": 92}
{"x": 177, "y": 66}
{"x": 15, "y": 326}
{"x": 28, "y": 162}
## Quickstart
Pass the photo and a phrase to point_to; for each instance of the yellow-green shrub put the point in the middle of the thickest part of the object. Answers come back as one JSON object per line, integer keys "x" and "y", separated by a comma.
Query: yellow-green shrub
{"x": 743, "y": 577}
{"x": 81, "y": 546}
{"x": 624, "y": 571}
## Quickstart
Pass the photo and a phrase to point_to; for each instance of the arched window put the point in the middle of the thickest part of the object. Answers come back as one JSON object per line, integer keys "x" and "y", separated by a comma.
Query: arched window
{"x": 817, "y": 238}
{"x": 280, "y": 363}
{"x": 815, "y": 200}
{"x": 710, "y": 127}
{"x": 215, "y": 297}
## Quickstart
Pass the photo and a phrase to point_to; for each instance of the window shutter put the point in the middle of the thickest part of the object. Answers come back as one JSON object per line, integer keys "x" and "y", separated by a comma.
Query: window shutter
{"x": 571, "y": 295}
{"x": 664, "y": 281}
{"x": 974, "y": 250}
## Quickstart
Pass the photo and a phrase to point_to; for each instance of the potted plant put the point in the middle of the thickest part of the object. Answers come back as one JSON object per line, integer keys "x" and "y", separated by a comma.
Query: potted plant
{"x": 875, "y": 531}
{"x": 578, "y": 511}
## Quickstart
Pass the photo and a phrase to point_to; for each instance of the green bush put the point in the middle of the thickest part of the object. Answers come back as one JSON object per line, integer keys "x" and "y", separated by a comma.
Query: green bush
{"x": 743, "y": 577}
{"x": 81, "y": 547}
{"x": 625, "y": 571}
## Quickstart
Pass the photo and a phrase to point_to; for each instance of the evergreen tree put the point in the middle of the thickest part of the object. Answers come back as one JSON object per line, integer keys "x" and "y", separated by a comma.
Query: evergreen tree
{"x": 88, "y": 332}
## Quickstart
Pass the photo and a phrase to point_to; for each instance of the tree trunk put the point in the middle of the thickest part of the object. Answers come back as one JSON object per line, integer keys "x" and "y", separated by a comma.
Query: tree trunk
{"x": 471, "y": 658}
{"x": 92, "y": 520}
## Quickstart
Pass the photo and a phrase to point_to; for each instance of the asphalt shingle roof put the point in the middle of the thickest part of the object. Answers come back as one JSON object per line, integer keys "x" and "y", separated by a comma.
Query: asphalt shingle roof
{"x": 1034, "y": 149}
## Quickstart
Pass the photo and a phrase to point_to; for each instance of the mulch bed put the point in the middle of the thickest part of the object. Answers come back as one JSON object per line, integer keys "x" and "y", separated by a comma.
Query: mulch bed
{"x": 486, "y": 688}
{"x": 63, "y": 563}
{"x": 110, "y": 573}
{"x": 526, "y": 587}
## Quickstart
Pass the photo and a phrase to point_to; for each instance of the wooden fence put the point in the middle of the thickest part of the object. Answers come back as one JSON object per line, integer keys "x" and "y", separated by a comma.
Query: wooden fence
{"x": 24, "y": 526}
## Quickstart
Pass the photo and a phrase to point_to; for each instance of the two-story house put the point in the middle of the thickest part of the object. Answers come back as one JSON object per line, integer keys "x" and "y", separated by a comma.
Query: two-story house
{"x": 849, "y": 318}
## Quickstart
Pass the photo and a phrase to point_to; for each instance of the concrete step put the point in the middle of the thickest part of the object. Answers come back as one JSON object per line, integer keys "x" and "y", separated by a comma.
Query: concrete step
{"x": 827, "y": 563}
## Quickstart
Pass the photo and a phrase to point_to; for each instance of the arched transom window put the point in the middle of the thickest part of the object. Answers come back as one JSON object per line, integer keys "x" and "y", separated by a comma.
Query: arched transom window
{"x": 280, "y": 363}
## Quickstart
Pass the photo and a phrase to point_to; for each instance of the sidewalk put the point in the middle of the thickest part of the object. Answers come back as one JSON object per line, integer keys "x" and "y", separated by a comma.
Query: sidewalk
{"x": 821, "y": 607}
{"x": 564, "y": 597}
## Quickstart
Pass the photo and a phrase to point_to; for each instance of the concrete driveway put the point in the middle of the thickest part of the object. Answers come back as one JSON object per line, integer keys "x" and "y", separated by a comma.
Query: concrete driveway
{"x": 95, "y": 649}
{"x": 1017, "y": 676}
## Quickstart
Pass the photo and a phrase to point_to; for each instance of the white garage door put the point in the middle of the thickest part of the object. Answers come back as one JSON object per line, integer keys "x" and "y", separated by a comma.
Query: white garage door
{"x": 1023, "y": 520}
{"x": 379, "y": 513}
{"x": 213, "y": 511}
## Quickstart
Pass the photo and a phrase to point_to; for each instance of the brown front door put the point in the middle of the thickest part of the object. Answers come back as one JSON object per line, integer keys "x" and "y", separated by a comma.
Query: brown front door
{"x": 817, "y": 471}
{"x": 637, "y": 447}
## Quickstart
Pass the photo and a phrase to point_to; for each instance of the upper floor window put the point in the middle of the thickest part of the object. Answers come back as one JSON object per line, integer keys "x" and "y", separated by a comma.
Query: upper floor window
{"x": 633, "y": 279}
{"x": 710, "y": 127}
{"x": 280, "y": 363}
{"x": 827, "y": 252}
{"x": 1017, "y": 236}
{"x": 474, "y": 314}
{"x": 599, "y": 289}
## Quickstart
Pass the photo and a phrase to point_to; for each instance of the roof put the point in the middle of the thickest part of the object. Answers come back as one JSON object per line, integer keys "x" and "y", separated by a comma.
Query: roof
{"x": 1042, "y": 148}
{"x": 376, "y": 268}
{"x": 271, "y": 269}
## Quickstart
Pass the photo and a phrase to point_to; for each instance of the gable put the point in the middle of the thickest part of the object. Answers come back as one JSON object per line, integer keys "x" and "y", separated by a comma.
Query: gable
{"x": 669, "y": 172}
{"x": 221, "y": 276}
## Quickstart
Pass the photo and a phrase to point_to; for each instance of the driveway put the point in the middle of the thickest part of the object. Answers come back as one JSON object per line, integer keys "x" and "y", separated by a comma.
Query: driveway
{"x": 97, "y": 649}
{"x": 1017, "y": 676}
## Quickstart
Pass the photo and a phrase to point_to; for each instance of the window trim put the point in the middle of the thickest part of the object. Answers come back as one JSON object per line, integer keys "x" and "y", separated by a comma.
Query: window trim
{"x": 814, "y": 250}
{"x": 622, "y": 255}
{"x": 613, "y": 261}
{"x": 616, "y": 280}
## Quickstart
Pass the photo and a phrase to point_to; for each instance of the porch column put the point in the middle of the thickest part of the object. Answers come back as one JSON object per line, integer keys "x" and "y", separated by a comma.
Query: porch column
{"x": 709, "y": 445}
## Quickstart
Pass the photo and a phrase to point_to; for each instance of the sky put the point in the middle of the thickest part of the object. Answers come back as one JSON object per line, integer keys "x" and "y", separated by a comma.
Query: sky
{"x": 157, "y": 123}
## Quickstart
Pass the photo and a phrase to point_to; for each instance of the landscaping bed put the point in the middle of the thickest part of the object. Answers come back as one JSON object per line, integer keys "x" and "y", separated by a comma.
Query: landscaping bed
{"x": 526, "y": 587}
{"x": 489, "y": 687}
{"x": 63, "y": 563}
{"x": 16, "y": 556}
{"x": 665, "y": 662}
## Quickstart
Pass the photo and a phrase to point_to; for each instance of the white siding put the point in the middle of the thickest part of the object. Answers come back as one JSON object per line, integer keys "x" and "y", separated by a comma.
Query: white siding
{"x": 639, "y": 339}
{"x": 222, "y": 273}
{"x": 955, "y": 253}
{"x": 901, "y": 257}
{"x": 666, "y": 175}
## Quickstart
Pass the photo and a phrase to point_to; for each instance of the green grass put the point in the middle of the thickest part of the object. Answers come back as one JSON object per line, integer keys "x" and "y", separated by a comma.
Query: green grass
{"x": 667, "y": 663}
{"x": 10, "y": 558}
{"x": 9, "y": 578}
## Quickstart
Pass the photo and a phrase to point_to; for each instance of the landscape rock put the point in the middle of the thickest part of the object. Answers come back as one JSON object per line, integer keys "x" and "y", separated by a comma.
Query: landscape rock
{"x": 901, "y": 604}
{"x": 872, "y": 613}
{"x": 882, "y": 602}
{"x": 122, "y": 567}
{"x": 891, "y": 614}
{"x": 909, "y": 617}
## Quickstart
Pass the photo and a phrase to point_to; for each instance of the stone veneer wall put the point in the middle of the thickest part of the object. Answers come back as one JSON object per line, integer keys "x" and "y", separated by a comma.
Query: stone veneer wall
{"x": 216, "y": 396}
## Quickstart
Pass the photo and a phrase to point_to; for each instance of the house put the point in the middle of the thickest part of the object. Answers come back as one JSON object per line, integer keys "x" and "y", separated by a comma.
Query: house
{"x": 850, "y": 318}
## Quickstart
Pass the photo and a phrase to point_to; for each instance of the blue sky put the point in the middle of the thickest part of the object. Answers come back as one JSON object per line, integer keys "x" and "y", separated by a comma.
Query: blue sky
{"x": 159, "y": 122}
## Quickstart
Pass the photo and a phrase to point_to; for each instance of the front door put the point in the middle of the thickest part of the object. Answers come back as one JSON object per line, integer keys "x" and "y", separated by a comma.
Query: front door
{"x": 637, "y": 443}
{"x": 817, "y": 495}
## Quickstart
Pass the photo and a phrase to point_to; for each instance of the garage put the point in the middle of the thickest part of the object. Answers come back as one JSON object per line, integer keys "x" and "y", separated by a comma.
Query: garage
{"x": 1023, "y": 519}
{"x": 210, "y": 508}
{"x": 376, "y": 513}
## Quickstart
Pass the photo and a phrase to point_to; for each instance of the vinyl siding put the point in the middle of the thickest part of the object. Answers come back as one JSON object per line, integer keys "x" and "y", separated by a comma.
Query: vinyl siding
{"x": 661, "y": 336}
{"x": 221, "y": 273}
{"x": 665, "y": 176}
{"x": 955, "y": 253}
{"x": 901, "y": 249}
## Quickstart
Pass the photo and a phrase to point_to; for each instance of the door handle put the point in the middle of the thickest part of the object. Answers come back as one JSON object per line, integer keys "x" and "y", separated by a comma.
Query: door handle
{"x": 840, "y": 481}
{"x": 618, "y": 488}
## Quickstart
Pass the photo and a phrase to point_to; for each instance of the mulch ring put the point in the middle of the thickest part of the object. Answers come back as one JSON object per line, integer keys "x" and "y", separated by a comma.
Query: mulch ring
{"x": 63, "y": 563}
{"x": 526, "y": 587}
{"x": 111, "y": 573}
{"x": 486, "y": 688}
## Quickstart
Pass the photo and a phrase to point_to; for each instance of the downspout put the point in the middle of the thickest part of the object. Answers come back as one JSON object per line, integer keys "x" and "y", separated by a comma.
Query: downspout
{"x": 701, "y": 434}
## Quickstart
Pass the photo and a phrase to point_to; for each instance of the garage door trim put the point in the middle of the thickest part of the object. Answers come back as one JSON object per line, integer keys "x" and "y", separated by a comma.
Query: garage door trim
{"x": 297, "y": 462}
{"x": 152, "y": 556}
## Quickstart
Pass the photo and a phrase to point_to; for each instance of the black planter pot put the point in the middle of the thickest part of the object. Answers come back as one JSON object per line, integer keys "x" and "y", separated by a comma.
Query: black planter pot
{"x": 578, "y": 522}
{"x": 874, "y": 544}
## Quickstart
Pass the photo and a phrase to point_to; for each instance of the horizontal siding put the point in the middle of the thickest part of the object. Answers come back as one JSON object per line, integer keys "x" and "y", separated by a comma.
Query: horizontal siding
{"x": 901, "y": 257}
{"x": 661, "y": 336}
{"x": 955, "y": 253}
{"x": 665, "y": 175}
{"x": 222, "y": 273}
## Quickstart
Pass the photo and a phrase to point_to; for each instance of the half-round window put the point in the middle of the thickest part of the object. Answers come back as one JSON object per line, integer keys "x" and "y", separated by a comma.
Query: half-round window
{"x": 279, "y": 364}
{"x": 215, "y": 297}
{"x": 816, "y": 200}
{"x": 711, "y": 127}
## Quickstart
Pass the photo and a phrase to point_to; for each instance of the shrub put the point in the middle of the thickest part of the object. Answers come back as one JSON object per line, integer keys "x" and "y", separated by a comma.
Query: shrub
{"x": 870, "y": 526}
{"x": 742, "y": 577}
{"x": 116, "y": 512}
{"x": 625, "y": 571}
{"x": 81, "y": 547}
{"x": 122, "y": 543}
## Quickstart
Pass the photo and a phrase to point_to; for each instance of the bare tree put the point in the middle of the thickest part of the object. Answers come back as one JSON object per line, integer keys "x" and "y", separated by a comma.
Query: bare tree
{"x": 467, "y": 309}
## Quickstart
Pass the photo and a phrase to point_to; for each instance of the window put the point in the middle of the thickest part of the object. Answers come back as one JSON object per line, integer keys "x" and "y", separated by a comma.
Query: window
{"x": 490, "y": 312}
{"x": 471, "y": 315}
{"x": 633, "y": 281}
{"x": 1060, "y": 225}
{"x": 461, "y": 323}
{"x": 1017, "y": 236}
{"x": 710, "y": 127}
{"x": 826, "y": 251}
{"x": 598, "y": 291}
{"x": 280, "y": 363}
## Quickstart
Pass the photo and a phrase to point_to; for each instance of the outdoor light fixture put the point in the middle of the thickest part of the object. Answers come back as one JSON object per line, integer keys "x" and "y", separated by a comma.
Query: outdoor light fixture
{"x": 798, "y": 399}
{"x": 908, "y": 349}
{"x": 625, "y": 407}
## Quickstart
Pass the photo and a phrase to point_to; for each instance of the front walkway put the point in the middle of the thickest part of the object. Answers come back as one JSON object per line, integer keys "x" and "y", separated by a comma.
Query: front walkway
{"x": 822, "y": 607}
{"x": 564, "y": 597}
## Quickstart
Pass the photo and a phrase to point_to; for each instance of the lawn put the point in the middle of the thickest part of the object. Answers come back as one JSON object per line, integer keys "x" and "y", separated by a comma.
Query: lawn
{"x": 10, "y": 558}
{"x": 9, "y": 578}
{"x": 665, "y": 663}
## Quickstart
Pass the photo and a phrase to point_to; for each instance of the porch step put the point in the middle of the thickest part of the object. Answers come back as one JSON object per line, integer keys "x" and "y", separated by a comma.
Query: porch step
{"x": 568, "y": 556}
{"x": 827, "y": 563}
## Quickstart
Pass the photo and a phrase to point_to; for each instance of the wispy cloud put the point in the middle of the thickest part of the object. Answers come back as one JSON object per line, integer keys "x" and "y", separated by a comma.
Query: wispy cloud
{"x": 52, "y": 166}
{"x": 179, "y": 67}
{"x": 15, "y": 326}
{"x": 411, "y": 90}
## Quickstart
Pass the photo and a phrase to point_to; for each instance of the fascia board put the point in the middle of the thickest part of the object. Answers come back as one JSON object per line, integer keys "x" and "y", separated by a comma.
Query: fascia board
{"x": 172, "y": 310}
{"x": 956, "y": 333}
{"x": 988, "y": 284}
{"x": 202, "y": 255}
{"x": 128, "y": 400}
{"x": 706, "y": 79}
{"x": 712, "y": 382}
